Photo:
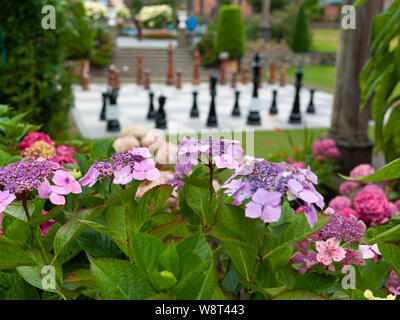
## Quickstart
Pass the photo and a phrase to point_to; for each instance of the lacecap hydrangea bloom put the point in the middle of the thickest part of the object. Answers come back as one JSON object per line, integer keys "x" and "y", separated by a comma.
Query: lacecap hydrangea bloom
{"x": 33, "y": 137}
{"x": 123, "y": 167}
{"x": 263, "y": 185}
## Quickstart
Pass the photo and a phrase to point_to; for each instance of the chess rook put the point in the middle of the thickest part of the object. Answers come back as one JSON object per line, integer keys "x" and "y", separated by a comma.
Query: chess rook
{"x": 245, "y": 75}
{"x": 212, "y": 121}
{"x": 236, "y": 108}
{"x": 271, "y": 78}
{"x": 194, "y": 113}
{"x": 274, "y": 108}
{"x": 311, "y": 107}
{"x": 234, "y": 80}
{"x": 161, "y": 118}
{"x": 179, "y": 79}
{"x": 151, "y": 114}
{"x": 295, "y": 115}
{"x": 282, "y": 77}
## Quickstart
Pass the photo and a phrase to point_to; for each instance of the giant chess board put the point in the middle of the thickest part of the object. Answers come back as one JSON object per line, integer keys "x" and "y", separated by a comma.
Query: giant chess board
{"x": 133, "y": 103}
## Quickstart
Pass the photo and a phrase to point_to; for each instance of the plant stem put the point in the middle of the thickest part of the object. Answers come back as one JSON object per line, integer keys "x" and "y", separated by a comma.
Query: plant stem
{"x": 34, "y": 233}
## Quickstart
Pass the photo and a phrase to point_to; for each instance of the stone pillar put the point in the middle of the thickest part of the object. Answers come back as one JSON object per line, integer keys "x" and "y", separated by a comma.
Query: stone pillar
{"x": 349, "y": 127}
{"x": 170, "y": 71}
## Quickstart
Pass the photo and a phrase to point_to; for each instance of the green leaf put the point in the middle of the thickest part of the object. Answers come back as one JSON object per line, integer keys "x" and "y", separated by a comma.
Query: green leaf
{"x": 81, "y": 277}
{"x": 298, "y": 230}
{"x": 16, "y": 210}
{"x": 120, "y": 280}
{"x": 73, "y": 228}
{"x": 49, "y": 215}
{"x": 298, "y": 295}
{"x": 202, "y": 203}
{"x": 164, "y": 279}
{"x": 169, "y": 260}
{"x": 12, "y": 256}
{"x": 391, "y": 254}
{"x": 33, "y": 275}
{"x": 316, "y": 282}
{"x": 238, "y": 235}
{"x": 151, "y": 203}
{"x": 13, "y": 287}
{"x": 146, "y": 252}
{"x": 102, "y": 149}
{"x": 372, "y": 273}
{"x": 114, "y": 217}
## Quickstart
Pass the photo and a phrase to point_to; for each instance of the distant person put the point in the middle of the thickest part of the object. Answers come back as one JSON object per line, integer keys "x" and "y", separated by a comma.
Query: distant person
{"x": 139, "y": 26}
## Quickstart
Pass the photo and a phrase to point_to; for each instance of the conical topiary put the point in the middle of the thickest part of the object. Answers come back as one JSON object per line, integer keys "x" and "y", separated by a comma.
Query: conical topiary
{"x": 302, "y": 38}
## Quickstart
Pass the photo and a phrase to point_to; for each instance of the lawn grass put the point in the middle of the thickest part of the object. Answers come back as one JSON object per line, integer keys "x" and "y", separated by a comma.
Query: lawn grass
{"x": 320, "y": 77}
{"x": 325, "y": 40}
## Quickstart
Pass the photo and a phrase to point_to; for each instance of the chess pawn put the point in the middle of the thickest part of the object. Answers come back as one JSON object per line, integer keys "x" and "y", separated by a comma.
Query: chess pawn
{"x": 274, "y": 108}
{"x": 212, "y": 121}
{"x": 222, "y": 77}
{"x": 179, "y": 79}
{"x": 282, "y": 77}
{"x": 194, "y": 113}
{"x": 112, "y": 113}
{"x": 161, "y": 121}
{"x": 151, "y": 114}
{"x": 311, "y": 107}
{"x": 295, "y": 115}
{"x": 245, "y": 75}
{"x": 147, "y": 79}
{"x": 85, "y": 81}
{"x": 236, "y": 109}
{"x": 234, "y": 80}
{"x": 139, "y": 80}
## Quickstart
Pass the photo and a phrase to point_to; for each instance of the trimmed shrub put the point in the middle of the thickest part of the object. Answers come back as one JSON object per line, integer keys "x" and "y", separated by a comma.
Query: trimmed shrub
{"x": 302, "y": 38}
{"x": 206, "y": 47}
{"x": 231, "y": 36}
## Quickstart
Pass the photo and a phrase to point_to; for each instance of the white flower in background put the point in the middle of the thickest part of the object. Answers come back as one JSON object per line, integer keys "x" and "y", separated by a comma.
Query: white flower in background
{"x": 96, "y": 10}
{"x": 151, "y": 12}
{"x": 123, "y": 12}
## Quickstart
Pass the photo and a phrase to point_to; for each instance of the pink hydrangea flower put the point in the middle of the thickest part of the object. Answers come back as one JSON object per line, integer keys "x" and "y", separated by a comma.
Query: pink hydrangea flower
{"x": 5, "y": 199}
{"x": 64, "y": 154}
{"x": 226, "y": 161}
{"x": 347, "y": 212}
{"x": 362, "y": 170}
{"x": 45, "y": 227}
{"x": 353, "y": 257}
{"x": 372, "y": 188}
{"x": 348, "y": 186}
{"x": 146, "y": 169}
{"x": 33, "y": 137}
{"x": 393, "y": 283}
{"x": 90, "y": 177}
{"x": 394, "y": 211}
{"x": 372, "y": 208}
{"x": 397, "y": 204}
{"x": 369, "y": 252}
{"x": 329, "y": 250}
{"x": 123, "y": 176}
{"x": 340, "y": 202}
{"x": 64, "y": 184}
{"x": 323, "y": 149}
{"x": 264, "y": 205}
{"x": 306, "y": 260}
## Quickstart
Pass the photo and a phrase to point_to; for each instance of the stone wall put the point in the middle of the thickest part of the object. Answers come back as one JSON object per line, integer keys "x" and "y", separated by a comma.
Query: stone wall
{"x": 291, "y": 59}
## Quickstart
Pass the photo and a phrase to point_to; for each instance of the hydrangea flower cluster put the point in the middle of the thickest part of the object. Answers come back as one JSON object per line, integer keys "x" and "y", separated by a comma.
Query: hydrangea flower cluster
{"x": 39, "y": 149}
{"x": 33, "y": 137}
{"x": 64, "y": 154}
{"x": 265, "y": 183}
{"x": 124, "y": 167}
{"x": 223, "y": 153}
{"x": 325, "y": 149}
{"x": 26, "y": 175}
{"x": 393, "y": 283}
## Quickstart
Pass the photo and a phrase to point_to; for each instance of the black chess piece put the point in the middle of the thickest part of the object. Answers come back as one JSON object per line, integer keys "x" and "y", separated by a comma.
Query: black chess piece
{"x": 212, "y": 121}
{"x": 311, "y": 107}
{"x": 253, "y": 117}
{"x": 161, "y": 118}
{"x": 295, "y": 115}
{"x": 274, "y": 108}
{"x": 151, "y": 114}
{"x": 194, "y": 113}
{"x": 105, "y": 96}
{"x": 236, "y": 109}
{"x": 112, "y": 112}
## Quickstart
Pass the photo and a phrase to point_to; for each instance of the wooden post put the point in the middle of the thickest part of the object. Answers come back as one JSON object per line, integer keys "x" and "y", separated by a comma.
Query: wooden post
{"x": 139, "y": 80}
{"x": 234, "y": 80}
{"x": 170, "y": 71}
{"x": 272, "y": 67}
{"x": 147, "y": 79}
{"x": 196, "y": 73}
{"x": 282, "y": 77}
{"x": 349, "y": 127}
{"x": 179, "y": 79}
{"x": 245, "y": 75}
